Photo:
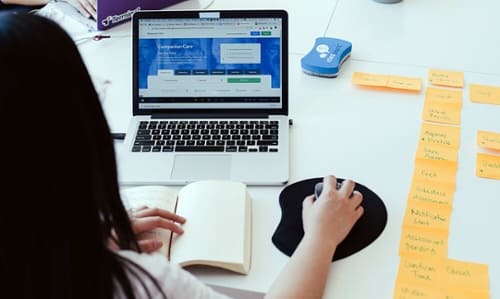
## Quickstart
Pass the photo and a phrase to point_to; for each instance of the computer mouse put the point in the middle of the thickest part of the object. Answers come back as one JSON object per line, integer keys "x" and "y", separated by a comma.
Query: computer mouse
{"x": 318, "y": 188}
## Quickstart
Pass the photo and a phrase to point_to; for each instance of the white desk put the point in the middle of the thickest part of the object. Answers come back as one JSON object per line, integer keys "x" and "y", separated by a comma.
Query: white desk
{"x": 454, "y": 34}
{"x": 367, "y": 135}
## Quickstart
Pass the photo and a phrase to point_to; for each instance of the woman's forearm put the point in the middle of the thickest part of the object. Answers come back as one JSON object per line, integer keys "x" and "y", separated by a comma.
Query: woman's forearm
{"x": 25, "y": 2}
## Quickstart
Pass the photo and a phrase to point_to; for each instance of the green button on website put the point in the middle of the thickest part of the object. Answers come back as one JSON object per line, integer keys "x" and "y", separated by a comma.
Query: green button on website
{"x": 243, "y": 80}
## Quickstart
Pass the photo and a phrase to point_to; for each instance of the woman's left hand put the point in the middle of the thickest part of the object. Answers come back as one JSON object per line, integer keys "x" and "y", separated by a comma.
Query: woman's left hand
{"x": 146, "y": 219}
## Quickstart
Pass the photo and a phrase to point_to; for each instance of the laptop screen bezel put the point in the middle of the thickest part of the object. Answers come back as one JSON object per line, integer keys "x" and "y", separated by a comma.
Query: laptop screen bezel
{"x": 158, "y": 14}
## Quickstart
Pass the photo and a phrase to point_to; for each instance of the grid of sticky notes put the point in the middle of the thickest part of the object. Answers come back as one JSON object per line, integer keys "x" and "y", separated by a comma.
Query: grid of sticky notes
{"x": 387, "y": 81}
{"x": 425, "y": 271}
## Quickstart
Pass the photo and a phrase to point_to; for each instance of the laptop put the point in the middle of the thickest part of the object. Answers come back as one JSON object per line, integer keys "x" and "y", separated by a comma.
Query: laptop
{"x": 210, "y": 98}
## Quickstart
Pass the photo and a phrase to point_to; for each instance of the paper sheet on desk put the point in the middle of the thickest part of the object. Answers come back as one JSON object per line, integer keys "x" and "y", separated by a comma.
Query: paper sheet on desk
{"x": 68, "y": 17}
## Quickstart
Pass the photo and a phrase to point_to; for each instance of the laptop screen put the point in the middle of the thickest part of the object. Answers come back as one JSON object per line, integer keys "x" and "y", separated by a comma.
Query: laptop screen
{"x": 206, "y": 60}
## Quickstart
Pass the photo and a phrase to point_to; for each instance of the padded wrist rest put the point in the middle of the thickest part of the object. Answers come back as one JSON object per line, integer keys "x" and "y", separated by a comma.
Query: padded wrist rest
{"x": 290, "y": 231}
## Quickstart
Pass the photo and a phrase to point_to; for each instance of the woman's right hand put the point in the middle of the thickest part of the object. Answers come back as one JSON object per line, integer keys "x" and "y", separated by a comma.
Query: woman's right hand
{"x": 332, "y": 216}
{"x": 144, "y": 220}
{"x": 88, "y": 8}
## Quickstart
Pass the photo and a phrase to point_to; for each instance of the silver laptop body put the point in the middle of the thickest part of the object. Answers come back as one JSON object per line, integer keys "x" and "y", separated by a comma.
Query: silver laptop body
{"x": 210, "y": 98}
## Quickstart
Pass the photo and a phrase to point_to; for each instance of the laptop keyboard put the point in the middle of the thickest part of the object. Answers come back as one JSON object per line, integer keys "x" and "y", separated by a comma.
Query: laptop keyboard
{"x": 207, "y": 136}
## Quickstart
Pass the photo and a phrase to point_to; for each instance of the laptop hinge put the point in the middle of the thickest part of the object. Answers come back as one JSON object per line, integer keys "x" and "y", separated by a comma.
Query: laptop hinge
{"x": 209, "y": 115}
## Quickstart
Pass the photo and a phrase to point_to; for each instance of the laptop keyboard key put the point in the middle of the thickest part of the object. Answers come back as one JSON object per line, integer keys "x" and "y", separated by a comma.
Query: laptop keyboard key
{"x": 199, "y": 148}
{"x": 231, "y": 148}
{"x": 267, "y": 142}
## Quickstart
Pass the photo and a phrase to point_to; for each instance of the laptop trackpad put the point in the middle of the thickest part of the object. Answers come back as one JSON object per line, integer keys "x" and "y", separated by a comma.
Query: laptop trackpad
{"x": 201, "y": 167}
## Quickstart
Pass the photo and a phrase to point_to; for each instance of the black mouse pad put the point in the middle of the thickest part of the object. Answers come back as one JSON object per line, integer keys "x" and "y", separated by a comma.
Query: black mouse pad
{"x": 290, "y": 231}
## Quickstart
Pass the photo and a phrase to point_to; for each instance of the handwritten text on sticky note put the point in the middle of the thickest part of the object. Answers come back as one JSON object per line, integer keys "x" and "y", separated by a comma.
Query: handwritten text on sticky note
{"x": 488, "y": 166}
{"x": 418, "y": 270}
{"x": 436, "y": 152}
{"x": 447, "y": 96}
{"x": 425, "y": 191}
{"x": 405, "y": 290}
{"x": 490, "y": 140}
{"x": 427, "y": 216}
{"x": 484, "y": 94}
{"x": 435, "y": 171}
{"x": 465, "y": 274}
{"x": 395, "y": 82}
{"x": 446, "y": 78}
{"x": 439, "y": 112}
{"x": 424, "y": 243}
{"x": 440, "y": 135}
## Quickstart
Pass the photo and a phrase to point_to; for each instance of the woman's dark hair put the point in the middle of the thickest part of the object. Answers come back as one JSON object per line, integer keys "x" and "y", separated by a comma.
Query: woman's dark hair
{"x": 60, "y": 194}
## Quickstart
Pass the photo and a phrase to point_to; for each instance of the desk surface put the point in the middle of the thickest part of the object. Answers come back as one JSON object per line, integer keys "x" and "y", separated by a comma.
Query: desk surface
{"x": 369, "y": 136}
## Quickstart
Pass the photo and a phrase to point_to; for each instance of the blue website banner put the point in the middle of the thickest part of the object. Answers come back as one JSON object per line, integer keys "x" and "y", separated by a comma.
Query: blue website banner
{"x": 210, "y": 56}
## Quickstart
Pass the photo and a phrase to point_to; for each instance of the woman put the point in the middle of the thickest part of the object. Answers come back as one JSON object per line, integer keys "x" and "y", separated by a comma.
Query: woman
{"x": 61, "y": 203}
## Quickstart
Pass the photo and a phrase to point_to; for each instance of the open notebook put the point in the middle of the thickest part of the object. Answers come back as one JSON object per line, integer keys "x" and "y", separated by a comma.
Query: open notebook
{"x": 218, "y": 228}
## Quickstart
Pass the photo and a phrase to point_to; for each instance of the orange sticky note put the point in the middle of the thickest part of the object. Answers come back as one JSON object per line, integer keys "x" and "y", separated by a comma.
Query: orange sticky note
{"x": 488, "y": 166}
{"x": 484, "y": 94}
{"x": 446, "y": 78}
{"x": 448, "y": 96}
{"x": 419, "y": 271}
{"x": 395, "y": 82}
{"x": 440, "y": 112}
{"x": 369, "y": 79}
{"x": 404, "y": 290}
{"x": 429, "y": 192}
{"x": 461, "y": 293}
{"x": 427, "y": 216}
{"x": 489, "y": 140}
{"x": 465, "y": 275}
{"x": 435, "y": 171}
{"x": 436, "y": 152}
{"x": 423, "y": 243}
{"x": 440, "y": 135}
{"x": 407, "y": 83}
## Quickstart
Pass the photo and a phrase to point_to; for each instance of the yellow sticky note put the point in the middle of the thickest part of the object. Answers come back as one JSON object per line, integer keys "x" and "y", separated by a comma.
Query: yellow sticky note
{"x": 484, "y": 94}
{"x": 441, "y": 112}
{"x": 419, "y": 271}
{"x": 440, "y": 135}
{"x": 425, "y": 191}
{"x": 403, "y": 290}
{"x": 488, "y": 166}
{"x": 436, "y": 152}
{"x": 423, "y": 243}
{"x": 369, "y": 79}
{"x": 407, "y": 83}
{"x": 488, "y": 140}
{"x": 448, "y": 96}
{"x": 435, "y": 171}
{"x": 427, "y": 216}
{"x": 446, "y": 78}
{"x": 465, "y": 275}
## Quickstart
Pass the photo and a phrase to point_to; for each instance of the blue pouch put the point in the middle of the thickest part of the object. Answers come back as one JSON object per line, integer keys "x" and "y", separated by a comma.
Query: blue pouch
{"x": 326, "y": 57}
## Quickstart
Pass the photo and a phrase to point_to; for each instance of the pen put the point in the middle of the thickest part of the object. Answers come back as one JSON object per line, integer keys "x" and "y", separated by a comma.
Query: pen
{"x": 118, "y": 136}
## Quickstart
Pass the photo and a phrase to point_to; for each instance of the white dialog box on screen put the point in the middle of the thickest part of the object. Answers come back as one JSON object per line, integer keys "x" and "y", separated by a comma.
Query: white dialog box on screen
{"x": 240, "y": 53}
